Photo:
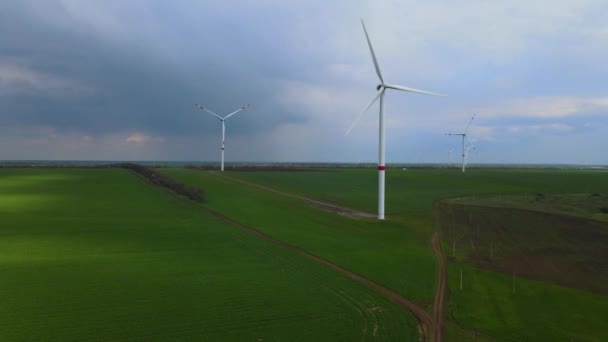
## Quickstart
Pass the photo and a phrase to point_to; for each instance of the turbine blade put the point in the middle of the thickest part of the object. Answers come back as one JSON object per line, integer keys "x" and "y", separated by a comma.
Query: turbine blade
{"x": 236, "y": 111}
{"x": 208, "y": 111}
{"x": 466, "y": 153}
{"x": 371, "y": 49}
{"x": 412, "y": 90}
{"x": 364, "y": 111}
{"x": 469, "y": 125}
{"x": 469, "y": 141}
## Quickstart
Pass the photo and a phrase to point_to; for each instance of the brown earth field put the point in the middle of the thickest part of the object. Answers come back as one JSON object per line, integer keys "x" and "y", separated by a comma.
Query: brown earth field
{"x": 565, "y": 250}
{"x": 250, "y": 168}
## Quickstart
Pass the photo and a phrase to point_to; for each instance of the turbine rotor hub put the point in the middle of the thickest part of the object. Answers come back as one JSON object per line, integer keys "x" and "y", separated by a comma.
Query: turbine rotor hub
{"x": 378, "y": 87}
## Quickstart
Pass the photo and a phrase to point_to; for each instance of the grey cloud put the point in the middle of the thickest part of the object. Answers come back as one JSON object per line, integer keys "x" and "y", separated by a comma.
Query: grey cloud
{"x": 136, "y": 88}
{"x": 109, "y": 69}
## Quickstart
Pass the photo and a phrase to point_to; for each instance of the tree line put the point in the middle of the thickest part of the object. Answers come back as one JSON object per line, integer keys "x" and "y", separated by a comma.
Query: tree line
{"x": 165, "y": 181}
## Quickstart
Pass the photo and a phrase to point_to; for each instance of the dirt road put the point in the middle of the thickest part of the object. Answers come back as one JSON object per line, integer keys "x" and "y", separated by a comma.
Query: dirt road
{"x": 422, "y": 317}
{"x": 428, "y": 327}
{"x": 434, "y": 325}
{"x": 439, "y": 292}
{"x": 318, "y": 204}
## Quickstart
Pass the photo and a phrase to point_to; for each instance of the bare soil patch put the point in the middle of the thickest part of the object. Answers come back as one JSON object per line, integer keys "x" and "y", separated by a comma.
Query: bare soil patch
{"x": 565, "y": 250}
{"x": 440, "y": 291}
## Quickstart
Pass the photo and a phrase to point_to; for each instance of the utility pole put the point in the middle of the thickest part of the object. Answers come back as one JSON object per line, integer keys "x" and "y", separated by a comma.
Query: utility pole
{"x": 461, "y": 279}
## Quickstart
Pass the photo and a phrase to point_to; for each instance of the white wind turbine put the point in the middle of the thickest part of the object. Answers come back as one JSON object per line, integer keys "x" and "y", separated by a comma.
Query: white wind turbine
{"x": 222, "y": 119}
{"x": 468, "y": 143}
{"x": 381, "y": 88}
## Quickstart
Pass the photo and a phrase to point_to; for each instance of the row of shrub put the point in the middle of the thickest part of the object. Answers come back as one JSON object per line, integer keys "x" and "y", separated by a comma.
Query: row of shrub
{"x": 165, "y": 181}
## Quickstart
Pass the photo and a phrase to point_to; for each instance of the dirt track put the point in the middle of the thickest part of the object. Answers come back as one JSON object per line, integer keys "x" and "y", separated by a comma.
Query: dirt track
{"x": 321, "y": 205}
{"x": 422, "y": 317}
{"x": 439, "y": 292}
{"x": 426, "y": 323}
{"x": 435, "y": 325}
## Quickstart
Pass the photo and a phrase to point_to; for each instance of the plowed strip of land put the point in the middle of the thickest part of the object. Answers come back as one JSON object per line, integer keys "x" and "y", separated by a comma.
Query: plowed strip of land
{"x": 439, "y": 292}
{"x": 437, "y": 319}
{"x": 321, "y": 205}
{"x": 424, "y": 319}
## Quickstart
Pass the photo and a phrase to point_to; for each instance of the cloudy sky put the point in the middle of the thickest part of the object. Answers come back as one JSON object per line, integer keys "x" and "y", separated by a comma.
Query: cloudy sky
{"x": 117, "y": 80}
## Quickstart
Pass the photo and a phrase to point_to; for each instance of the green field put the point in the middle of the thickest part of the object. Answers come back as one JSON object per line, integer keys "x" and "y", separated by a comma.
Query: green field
{"x": 387, "y": 251}
{"x": 415, "y": 190}
{"x": 98, "y": 254}
{"x": 537, "y": 311}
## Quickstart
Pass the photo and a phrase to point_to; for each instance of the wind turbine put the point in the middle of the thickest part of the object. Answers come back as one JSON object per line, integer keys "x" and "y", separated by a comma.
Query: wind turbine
{"x": 381, "y": 88}
{"x": 469, "y": 144}
{"x": 222, "y": 119}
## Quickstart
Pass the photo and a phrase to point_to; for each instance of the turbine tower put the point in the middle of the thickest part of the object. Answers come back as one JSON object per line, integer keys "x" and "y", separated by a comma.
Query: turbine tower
{"x": 222, "y": 119}
{"x": 381, "y": 88}
{"x": 469, "y": 144}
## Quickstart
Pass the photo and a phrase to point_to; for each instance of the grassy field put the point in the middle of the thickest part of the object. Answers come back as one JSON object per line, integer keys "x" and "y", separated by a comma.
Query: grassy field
{"x": 373, "y": 248}
{"x": 538, "y": 311}
{"x": 382, "y": 251}
{"x": 415, "y": 190}
{"x": 97, "y": 254}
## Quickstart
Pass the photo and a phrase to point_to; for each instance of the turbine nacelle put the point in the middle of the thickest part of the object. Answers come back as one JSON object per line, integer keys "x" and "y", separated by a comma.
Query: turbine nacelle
{"x": 466, "y": 143}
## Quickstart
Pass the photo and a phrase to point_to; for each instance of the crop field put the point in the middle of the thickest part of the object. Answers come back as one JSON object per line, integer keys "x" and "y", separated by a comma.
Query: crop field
{"x": 390, "y": 252}
{"x": 415, "y": 190}
{"x": 98, "y": 254}
{"x": 381, "y": 251}
{"x": 537, "y": 311}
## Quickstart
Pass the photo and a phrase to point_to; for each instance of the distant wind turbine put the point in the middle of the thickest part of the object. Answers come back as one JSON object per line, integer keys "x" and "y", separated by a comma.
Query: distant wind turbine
{"x": 381, "y": 88}
{"x": 222, "y": 119}
{"x": 469, "y": 144}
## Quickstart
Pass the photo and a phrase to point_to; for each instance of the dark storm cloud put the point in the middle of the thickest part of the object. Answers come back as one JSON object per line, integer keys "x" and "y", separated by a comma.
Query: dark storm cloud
{"x": 125, "y": 85}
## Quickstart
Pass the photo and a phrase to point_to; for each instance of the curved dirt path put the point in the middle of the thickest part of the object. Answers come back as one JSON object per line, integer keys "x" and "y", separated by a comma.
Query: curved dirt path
{"x": 422, "y": 317}
{"x": 424, "y": 320}
{"x": 439, "y": 292}
{"x": 429, "y": 327}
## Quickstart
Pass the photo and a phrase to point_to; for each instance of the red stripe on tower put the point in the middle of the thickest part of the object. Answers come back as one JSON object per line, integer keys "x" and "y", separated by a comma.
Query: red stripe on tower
{"x": 382, "y": 168}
